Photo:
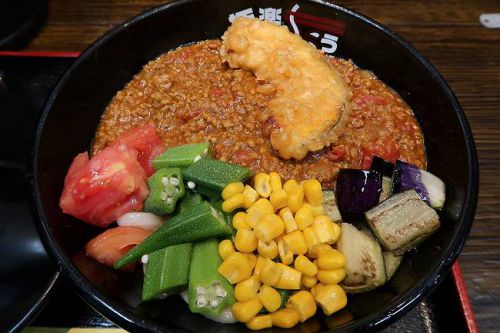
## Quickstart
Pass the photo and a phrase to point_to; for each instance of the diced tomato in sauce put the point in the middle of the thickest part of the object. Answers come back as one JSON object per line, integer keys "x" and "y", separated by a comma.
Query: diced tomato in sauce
{"x": 385, "y": 149}
{"x": 336, "y": 154}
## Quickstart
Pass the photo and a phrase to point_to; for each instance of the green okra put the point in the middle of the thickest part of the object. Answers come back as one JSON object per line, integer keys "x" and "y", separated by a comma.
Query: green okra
{"x": 167, "y": 271}
{"x": 209, "y": 176}
{"x": 190, "y": 199}
{"x": 182, "y": 156}
{"x": 209, "y": 292}
{"x": 190, "y": 225}
{"x": 165, "y": 188}
{"x": 228, "y": 217}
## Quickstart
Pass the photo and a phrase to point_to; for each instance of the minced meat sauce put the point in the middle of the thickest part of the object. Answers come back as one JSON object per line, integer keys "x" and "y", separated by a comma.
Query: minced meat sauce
{"x": 191, "y": 95}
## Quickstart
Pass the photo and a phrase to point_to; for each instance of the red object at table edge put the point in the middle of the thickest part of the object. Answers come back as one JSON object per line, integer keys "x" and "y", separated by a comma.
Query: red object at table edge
{"x": 455, "y": 270}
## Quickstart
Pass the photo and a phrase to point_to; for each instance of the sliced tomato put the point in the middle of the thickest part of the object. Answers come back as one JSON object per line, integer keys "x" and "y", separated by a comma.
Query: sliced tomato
{"x": 112, "y": 244}
{"x": 146, "y": 141}
{"x": 100, "y": 190}
{"x": 385, "y": 149}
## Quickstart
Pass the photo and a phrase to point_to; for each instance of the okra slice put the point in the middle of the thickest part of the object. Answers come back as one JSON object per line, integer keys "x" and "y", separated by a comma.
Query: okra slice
{"x": 209, "y": 176}
{"x": 209, "y": 292}
{"x": 167, "y": 271}
{"x": 182, "y": 156}
{"x": 190, "y": 225}
{"x": 165, "y": 188}
{"x": 228, "y": 217}
{"x": 189, "y": 200}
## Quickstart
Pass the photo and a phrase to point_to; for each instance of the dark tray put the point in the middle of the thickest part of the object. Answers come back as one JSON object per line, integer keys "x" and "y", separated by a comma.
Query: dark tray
{"x": 27, "y": 78}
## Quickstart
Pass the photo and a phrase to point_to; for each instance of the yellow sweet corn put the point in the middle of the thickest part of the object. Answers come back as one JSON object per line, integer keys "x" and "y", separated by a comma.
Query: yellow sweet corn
{"x": 244, "y": 311}
{"x": 247, "y": 289}
{"x": 287, "y": 217}
{"x": 327, "y": 231}
{"x": 305, "y": 266}
{"x": 304, "y": 303}
{"x": 289, "y": 278}
{"x": 257, "y": 211}
{"x": 290, "y": 184}
{"x": 235, "y": 268}
{"x": 252, "y": 260}
{"x": 258, "y": 266}
{"x": 245, "y": 241}
{"x": 313, "y": 192}
{"x": 270, "y": 272}
{"x": 311, "y": 238}
{"x": 260, "y": 322}
{"x": 268, "y": 250}
{"x": 232, "y": 203}
{"x": 262, "y": 185}
{"x": 304, "y": 217}
{"x": 295, "y": 198}
{"x": 316, "y": 288}
{"x": 232, "y": 189}
{"x": 286, "y": 255}
{"x": 296, "y": 242}
{"x": 270, "y": 298}
{"x": 285, "y": 318}
{"x": 225, "y": 248}
{"x": 316, "y": 210}
{"x": 279, "y": 199}
{"x": 331, "y": 298}
{"x": 332, "y": 276}
{"x": 239, "y": 221}
{"x": 331, "y": 259}
{"x": 308, "y": 281}
{"x": 270, "y": 227}
{"x": 275, "y": 181}
{"x": 317, "y": 249}
{"x": 250, "y": 196}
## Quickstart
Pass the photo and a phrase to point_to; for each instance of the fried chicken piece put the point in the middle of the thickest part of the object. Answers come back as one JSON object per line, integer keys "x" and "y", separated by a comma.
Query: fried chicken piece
{"x": 312, "y": 99}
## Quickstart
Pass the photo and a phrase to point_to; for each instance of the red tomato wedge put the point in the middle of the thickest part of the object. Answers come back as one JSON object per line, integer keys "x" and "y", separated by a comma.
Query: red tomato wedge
{"x": 112, "y": 244}
{"x": 100, "y": 190}
{"x": 146, "y": 141}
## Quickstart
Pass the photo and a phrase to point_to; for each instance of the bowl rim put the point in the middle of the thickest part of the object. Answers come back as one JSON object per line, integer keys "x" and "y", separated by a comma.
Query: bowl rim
{"x": 399, "y": 306}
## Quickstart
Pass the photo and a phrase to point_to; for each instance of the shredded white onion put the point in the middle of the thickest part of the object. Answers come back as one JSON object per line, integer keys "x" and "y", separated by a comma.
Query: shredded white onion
{"x": 140, "y": 220}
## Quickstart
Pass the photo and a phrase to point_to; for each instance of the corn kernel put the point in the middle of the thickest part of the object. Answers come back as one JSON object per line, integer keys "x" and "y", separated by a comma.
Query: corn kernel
{"x": 244, "y": 311}
{"x": 317, "y": 249}
{"x": 286, "y": 254}
{"x": 313, "y": 192}
{"x": 232, "y": 189}
{"x": 245, "y": 241}
{"x": 326, "y": 230}
{"x": 260, "y": 322}
{"x": 270, "y": 298}
{"x": 225, "y": 248}
{"x": 279, "y": 199}
{"x": 270, "y": 272}
{"x": 250, "y": 195}
{"x": 247, "y": 289}
{"x": 268, "y": 250}
{"x": 235, "y": 268}
{"x": 258, "y": 266}
{"x": 316, "y": 210}
{"x": 287, "y": 217}
{"x": 285, "y": 318}
{"x": 304, "y": 303}
{"x": 311, "y": 238}
{"x": 257, "y": 211}
{"x": 262, "y": 185}
{"x": 308, "y": 281}
{"x": 295, "y": 198}
{"x": 252, "y": 260}
{"x": 239, "y": 221}
{"x": 270, "y": 227}
{"x": 275, "y": 181}
{"x": 332, "y": 276}
{"x": 331, "y": 259}
{"x": 331, "y": 298}
{"x": 289, "y": 278}
{"x": 304, "y": 217}
{"x": 234, "y": 202}
{"x": 305, "y": 266}
{"x": 316, "y": 288}
{"x": 290, "y": 184}
{"x": 296, "y": 242}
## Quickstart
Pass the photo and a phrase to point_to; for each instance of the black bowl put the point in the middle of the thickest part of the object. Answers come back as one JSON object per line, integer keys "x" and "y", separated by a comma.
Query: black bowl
{"x": 73, "y": 111}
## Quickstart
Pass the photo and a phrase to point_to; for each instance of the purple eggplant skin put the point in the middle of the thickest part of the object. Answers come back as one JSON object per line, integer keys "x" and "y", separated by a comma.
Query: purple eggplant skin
{"x": 386, "y": 168}
{"x": 357, "y": 191}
